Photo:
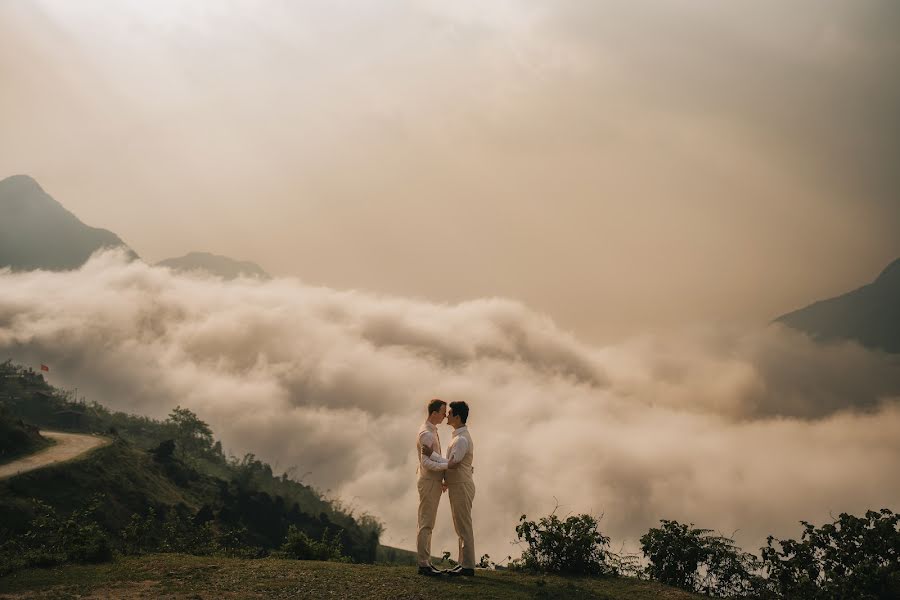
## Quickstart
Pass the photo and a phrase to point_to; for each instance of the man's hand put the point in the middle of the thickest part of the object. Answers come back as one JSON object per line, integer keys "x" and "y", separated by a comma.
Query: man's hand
{"x": 443, "y": 487}
{"x": 452, "y": 464}
{"x": 427, "y": 450}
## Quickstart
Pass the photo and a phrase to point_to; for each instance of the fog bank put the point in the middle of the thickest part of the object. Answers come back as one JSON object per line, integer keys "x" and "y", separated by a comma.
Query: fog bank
{"x": 733, "y": 429}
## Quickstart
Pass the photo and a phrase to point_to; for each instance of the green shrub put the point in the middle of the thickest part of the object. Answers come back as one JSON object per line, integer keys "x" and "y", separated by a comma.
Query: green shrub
{"x": 851, "y": 557}
{"x": 300, "y": 546}
{"x": 574, "y": 546}
{"x": 52, "y": 540}
{"x": 695, "y": 560}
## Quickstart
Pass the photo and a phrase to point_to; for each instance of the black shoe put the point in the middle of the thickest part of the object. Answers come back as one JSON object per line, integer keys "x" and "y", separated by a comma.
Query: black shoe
{"x": 458, "y": 570}
{"x": 430, "y": 571}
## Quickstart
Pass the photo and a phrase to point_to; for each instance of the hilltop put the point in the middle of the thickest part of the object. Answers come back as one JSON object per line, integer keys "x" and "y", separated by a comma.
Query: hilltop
{"x": 222, "y": 266}
{"x": 184, "y": 576}
{"x": 37, "y": 232}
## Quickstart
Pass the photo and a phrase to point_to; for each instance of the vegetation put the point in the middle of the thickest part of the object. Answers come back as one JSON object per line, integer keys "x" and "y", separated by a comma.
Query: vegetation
{"x": 185, "y": 576}
{"x": 171, "y": 474}
{"x": 851, "y": 557}
{"x": 694, "y": 559}
{"x": 574, "y": 546}
{"x": 168, "y": 488}
{"x": 18, "y": 438}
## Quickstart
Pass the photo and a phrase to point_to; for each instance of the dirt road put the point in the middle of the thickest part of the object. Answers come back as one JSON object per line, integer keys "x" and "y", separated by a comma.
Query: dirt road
{"x": 67, "y": 447}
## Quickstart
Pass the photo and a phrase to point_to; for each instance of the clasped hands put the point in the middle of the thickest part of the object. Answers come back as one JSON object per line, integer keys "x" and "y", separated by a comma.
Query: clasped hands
{"x": 429, "y": 450}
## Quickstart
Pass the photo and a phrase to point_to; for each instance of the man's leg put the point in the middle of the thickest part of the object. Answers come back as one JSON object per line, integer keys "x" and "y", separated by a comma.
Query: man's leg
{"x": 461, "y": 497}
{"x": 429, "y": 497}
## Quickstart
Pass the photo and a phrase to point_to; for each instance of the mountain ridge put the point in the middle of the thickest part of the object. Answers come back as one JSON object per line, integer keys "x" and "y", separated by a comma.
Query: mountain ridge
{"x": 869, "y": 314}
{"x": 38, "y": 232}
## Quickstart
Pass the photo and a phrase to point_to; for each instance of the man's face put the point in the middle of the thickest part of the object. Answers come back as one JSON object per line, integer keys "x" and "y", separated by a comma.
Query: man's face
{"x": 450, "y": 417}
{"x": 442, "y": 413}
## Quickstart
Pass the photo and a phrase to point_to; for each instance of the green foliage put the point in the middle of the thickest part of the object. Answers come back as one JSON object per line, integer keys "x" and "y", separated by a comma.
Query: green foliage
{"x": 186, "y": 467}
{"x": 53, "y": 540}
{"x": 695, "y": 560}
{"x": 574, "y": 546}
{"x": 17, "y": 438}
{"x": 851, "y": 557}
{"x": 193, "y": 437}
{"x": 300, "y": 546}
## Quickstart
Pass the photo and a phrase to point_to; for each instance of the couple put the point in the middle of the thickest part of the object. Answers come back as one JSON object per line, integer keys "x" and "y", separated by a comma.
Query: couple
{"x": 452, "y": 474}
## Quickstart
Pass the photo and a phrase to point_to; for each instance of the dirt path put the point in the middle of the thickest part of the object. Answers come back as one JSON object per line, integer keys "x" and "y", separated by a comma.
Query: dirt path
{"x": 67, "y": 447}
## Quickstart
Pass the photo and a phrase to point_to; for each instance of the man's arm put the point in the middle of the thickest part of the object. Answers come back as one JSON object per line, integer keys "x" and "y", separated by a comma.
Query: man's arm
{"x": 427, "y": 442}
{"x": 457, "y": 451}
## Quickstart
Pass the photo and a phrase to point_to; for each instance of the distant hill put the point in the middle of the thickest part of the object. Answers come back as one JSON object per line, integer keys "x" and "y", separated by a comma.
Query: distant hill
{"x": 224, "y": 267}
{"x": 36, "y": 232}
{"x": 869, "y": 315}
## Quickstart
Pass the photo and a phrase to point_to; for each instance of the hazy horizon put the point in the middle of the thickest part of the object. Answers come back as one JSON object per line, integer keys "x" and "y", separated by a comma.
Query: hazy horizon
{"x": 669, "y": 163}
{"x": 748, "y": 429}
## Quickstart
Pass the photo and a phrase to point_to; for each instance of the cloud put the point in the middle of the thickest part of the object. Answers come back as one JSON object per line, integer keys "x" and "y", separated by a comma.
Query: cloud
{"x": 728, "y": 428}
{"x": 701, "y": 152}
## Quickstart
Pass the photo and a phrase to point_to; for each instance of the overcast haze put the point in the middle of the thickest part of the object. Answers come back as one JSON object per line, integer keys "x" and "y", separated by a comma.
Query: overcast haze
{"x": 578, "y": 216}
{"x": 623, "y": 167}
{"x": 733, "y": 429}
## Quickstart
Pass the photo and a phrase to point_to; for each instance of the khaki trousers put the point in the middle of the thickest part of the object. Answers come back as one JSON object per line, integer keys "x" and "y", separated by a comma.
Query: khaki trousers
{"x": 461, "y": 496}
{"x": 429, "y": 497}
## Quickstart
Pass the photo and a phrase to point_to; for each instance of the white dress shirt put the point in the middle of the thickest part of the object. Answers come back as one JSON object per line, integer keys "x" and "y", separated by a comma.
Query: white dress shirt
{"x": 430, "y": 438}
{"x": 455, "y": 452}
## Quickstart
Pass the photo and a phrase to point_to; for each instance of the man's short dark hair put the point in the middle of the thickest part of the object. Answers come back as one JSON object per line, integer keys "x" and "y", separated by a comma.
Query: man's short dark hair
{"x": 460, "y": 409}
{"x": 435, "y": 405}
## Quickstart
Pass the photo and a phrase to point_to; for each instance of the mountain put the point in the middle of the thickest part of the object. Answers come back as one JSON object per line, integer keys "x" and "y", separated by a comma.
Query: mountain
{"x": 36, "y": 232}
{"x": 227, "y": 268}
{"x": 870, "y": 314}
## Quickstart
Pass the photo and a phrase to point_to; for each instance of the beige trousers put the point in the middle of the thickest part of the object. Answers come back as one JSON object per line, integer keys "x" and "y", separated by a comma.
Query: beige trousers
{"x": 461, "y": 496}
{"x": 429, "y": 497}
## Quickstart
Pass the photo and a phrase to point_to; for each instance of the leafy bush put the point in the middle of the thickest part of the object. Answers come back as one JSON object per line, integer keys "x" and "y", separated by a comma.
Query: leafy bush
{"x": 695, "y": 560}
{"x": 852, "y": 557}
{"x": 300, "y": 546}
{"x": 574, "y": 546}
{"x": 52, "y": 540}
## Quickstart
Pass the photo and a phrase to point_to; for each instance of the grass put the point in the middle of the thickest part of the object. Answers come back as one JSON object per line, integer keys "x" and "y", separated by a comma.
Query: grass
{"x": 184, "y": 576}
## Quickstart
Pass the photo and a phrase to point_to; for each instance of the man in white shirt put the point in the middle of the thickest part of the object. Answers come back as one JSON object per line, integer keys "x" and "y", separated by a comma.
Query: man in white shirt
{"x": 460, "y": 484}
{"x": 430, "y": 483}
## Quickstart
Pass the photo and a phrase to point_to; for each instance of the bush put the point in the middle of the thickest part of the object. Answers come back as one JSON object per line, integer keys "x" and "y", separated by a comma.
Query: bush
{"x": 852, "y": 557}
{"x": 695, "y": 560}
{"x": 300, "y": 546}
{"x": 52, "y": 540}
{"x": 574, "y": 546}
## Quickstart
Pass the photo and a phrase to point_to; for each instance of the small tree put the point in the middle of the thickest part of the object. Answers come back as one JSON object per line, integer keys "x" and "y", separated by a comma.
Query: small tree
{"x": 194, "y": 437}
{"x": 852, "y": 557}
{"x": 574, "y": 546}
{"x": 695, "y": 560}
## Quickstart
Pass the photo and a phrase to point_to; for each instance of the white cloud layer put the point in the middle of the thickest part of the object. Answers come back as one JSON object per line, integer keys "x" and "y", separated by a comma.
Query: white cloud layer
{"x": 731, "y": 429}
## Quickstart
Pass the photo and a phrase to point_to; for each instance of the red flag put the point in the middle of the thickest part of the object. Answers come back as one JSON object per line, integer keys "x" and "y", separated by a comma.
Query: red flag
{"x": 44, "y": 367}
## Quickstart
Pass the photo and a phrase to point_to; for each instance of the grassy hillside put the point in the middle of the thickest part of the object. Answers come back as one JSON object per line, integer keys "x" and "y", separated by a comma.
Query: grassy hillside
{"x": 171, "y": 467}
{"x": 184, "y": 576}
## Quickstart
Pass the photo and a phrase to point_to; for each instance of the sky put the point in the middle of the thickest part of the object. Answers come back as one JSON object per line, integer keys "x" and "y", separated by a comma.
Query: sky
{"x": 578, "y": 216}
{"x": 621, "y": 167}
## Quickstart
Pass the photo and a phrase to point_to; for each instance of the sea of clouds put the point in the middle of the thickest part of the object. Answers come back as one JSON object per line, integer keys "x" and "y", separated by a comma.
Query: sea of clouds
{"x": 742, "y": 431}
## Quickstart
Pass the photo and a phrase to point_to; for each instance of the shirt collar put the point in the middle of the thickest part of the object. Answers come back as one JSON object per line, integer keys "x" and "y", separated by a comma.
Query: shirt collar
{"x": 458, "y": 431}
{"x": 430, "y": 425}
